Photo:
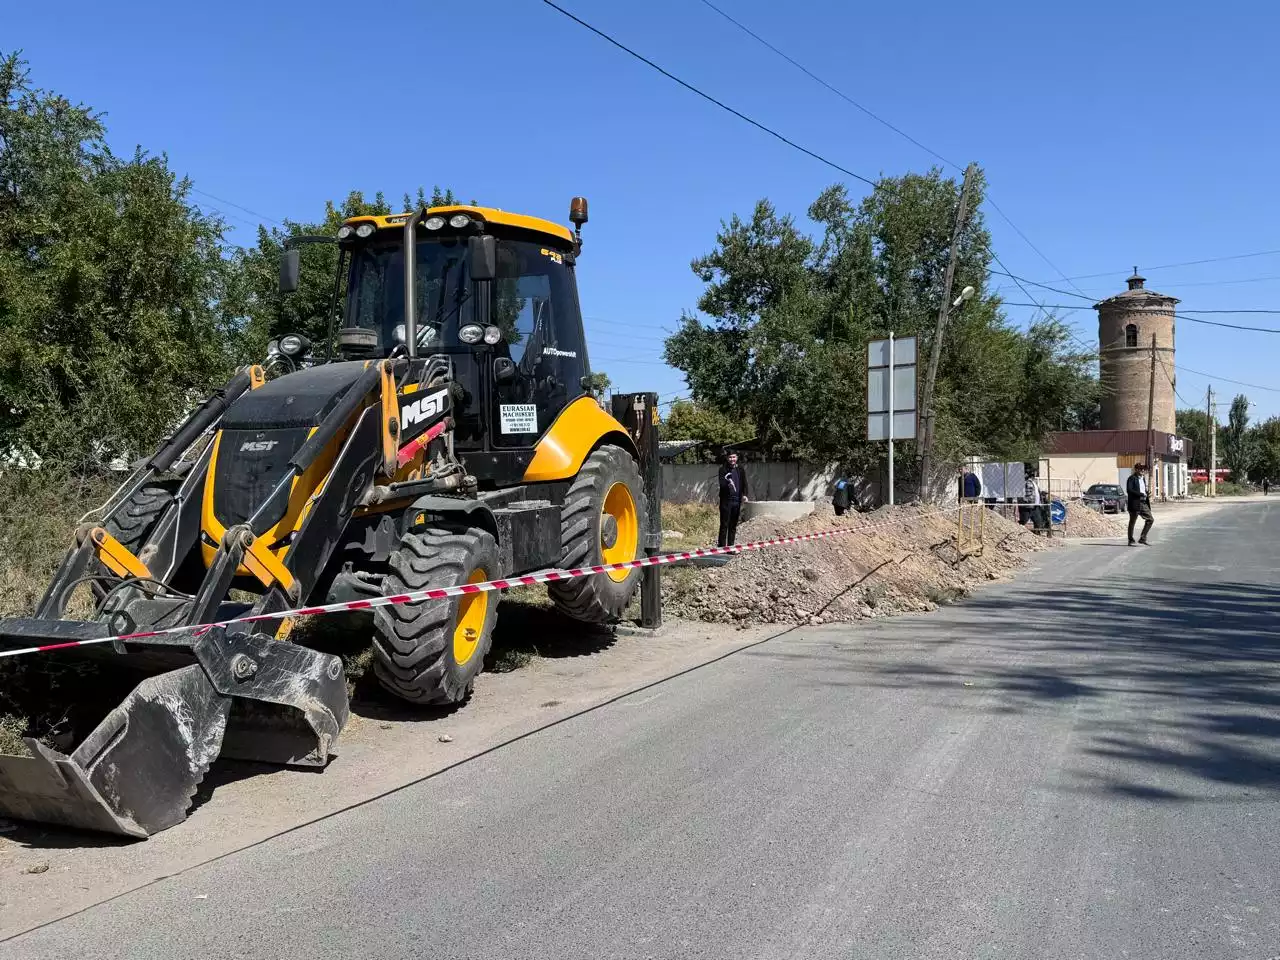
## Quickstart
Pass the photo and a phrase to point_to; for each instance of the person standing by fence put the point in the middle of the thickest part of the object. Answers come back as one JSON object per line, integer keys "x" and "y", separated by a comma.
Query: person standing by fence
{"x": 733, "y": 494}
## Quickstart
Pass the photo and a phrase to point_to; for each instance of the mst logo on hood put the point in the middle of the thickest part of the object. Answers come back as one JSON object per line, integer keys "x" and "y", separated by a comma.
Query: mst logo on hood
{"x": 427, "y": 408}
{"x": 257, "y": 446}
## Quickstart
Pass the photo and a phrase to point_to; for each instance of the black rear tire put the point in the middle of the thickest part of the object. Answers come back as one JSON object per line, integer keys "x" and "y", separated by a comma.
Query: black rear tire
{"x": 421, "y": 652}
{"x": 599, "y": 598}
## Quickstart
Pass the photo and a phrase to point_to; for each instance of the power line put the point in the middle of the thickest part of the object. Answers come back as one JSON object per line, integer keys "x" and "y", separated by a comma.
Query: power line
{"x": 229, "y": 203}
{"x": 1268, "y": 310}
{"x": 1054, "y": 266}
{"x": 223, "y": 213}
{"x": 1181, "y": 315}
{"x": 1233, "y": 326}
{"x": 1223, "y": 283}
{"x": 1214, "y": 376}
{"x": 900, "y": 132}
{"x": 1169, "y": 376}
{"x": 839, "y": 93}
{"x": 1184, "y": 263}
{"x": 1043, "y": 286}
{"x": 706, "y": 96}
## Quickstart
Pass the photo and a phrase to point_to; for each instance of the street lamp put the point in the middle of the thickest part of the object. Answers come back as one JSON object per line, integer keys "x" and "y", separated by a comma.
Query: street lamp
{"x": 965, "y": 294}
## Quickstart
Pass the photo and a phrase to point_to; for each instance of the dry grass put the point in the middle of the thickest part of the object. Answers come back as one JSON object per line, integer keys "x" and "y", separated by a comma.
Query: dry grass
{"x": 38, "y": 514}
{"x": 11, "y": 730}
{"x": 699, "y": 522}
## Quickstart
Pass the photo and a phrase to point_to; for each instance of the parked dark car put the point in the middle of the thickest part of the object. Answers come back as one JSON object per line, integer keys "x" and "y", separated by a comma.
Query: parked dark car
{"x": 1105, "y": 497}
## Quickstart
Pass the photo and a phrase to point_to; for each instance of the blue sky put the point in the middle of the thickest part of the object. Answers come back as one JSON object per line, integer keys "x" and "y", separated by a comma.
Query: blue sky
{"x": 1112, "y": 134}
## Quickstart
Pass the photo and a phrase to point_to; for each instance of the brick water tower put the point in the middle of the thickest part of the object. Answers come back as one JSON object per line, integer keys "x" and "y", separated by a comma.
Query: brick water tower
{"x": 1126, "y": 323}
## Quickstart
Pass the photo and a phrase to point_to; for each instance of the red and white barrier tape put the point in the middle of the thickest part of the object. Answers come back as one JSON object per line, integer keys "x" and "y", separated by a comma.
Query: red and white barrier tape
{"x": 440, "y": 593}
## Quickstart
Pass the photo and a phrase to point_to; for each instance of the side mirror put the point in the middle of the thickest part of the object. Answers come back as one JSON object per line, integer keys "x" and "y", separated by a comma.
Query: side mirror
{"x": 503, "y": 369}
{"x": 483, "y": 251}
{"x": 290, "y": 267}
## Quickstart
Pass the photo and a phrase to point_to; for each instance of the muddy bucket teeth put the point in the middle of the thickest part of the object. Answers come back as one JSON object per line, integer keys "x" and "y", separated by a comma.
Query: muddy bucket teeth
{"x": 137, "y": 772}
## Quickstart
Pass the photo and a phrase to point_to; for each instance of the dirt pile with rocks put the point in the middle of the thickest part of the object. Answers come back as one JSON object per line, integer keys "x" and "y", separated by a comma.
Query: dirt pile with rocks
{"x": 893, "y": 560}
{"x": 1083, "y": 522}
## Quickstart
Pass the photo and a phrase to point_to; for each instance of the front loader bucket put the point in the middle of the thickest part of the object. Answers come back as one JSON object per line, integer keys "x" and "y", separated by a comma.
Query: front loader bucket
{"x": 137, "y": 772}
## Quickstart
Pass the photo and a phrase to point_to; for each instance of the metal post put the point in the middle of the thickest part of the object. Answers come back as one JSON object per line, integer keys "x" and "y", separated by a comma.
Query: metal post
{"x": 638, "y": 412}
{"x": 891, "y": 418}
{"x": 1048, "y": 482}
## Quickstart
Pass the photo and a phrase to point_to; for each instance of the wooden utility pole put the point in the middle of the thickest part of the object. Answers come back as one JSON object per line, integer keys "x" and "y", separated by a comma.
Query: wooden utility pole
{"x": 1151, "y": 409}
{"x": 935, "y": 353}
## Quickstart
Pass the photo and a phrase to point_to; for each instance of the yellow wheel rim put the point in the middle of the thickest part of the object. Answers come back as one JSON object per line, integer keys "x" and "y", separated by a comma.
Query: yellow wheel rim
{"x": 472, "y": 610}
{"x": 621, "y": 506}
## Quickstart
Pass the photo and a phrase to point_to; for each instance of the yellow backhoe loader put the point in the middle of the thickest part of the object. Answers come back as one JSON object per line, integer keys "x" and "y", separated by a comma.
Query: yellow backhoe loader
{"x": 446, "y": 434}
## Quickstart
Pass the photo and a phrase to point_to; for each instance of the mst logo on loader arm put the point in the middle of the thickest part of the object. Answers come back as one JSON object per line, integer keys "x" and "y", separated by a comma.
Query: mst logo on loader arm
{"x": 424, "y": 410}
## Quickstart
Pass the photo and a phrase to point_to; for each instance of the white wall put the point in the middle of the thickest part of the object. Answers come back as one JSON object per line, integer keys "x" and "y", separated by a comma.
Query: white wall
{"x": 795, "y": 480}
{"x": 1084, "y": 468}
{"x": 783, "y": 480}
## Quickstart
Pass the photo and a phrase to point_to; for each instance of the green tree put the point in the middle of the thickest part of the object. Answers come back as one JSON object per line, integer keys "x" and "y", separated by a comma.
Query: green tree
{"x": 790, "y": 316}
{"x": 687, "y": 420}
{"x": 1239, "y": 445}
{"x": 309, "y": 309}
{"x": 1267, "y": 444}
{"x": 1194, "y": 425}
{"x": 599, "y": 384}
{"x": 112, "y": 286}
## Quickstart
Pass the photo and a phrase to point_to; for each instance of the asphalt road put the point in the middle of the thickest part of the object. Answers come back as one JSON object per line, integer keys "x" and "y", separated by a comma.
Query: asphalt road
{"x": 1085, "y": 763}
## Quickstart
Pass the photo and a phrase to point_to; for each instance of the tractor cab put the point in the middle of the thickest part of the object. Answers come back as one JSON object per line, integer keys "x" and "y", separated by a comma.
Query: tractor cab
{"x": 493, "y": 292}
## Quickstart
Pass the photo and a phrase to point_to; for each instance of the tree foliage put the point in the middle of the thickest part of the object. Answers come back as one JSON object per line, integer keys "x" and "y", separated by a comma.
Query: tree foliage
{"x": 790, "y": 315}
{"x": 687, "y": 420}
{"x": 309, "y": 309}
{"x": 1267, "y": 444}
{"x": 111, "y": 285}
{"x": 599, "y": 384}
{"x": 1239, "y": 444}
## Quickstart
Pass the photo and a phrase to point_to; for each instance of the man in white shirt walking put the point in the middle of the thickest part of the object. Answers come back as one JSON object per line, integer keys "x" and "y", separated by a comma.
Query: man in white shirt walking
{"x": 1139, "y": 503}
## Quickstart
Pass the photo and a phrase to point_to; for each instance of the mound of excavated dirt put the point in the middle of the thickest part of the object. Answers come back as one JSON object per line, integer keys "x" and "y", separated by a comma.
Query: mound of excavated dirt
{"x": 1083, "y": 522}
{"x": 894, "y": 560}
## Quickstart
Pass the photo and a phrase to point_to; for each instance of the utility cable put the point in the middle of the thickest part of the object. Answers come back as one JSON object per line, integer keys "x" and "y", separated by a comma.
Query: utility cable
{"x": 1184, "y": 263}
{"x": 229, "y": 203}
{"x": 881, "y": 120}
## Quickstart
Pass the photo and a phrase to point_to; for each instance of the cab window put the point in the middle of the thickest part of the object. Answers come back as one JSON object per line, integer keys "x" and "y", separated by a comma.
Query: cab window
{"x": 536, "y": 308}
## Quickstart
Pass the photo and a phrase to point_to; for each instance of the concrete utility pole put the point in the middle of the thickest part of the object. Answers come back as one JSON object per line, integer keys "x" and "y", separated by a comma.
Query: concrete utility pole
{"x": 1151, "y": 409}
{"x": 935, "y": 354}
{"x": 1213, "y": 444}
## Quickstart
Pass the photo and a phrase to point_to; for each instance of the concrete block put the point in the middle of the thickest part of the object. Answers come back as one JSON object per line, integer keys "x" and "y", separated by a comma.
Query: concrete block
{"x": 784, "y": 510}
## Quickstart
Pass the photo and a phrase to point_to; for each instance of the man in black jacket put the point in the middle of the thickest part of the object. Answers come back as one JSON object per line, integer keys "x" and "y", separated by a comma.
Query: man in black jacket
{"x": 733, "y": 494}
{"x": 1139, "y": 502}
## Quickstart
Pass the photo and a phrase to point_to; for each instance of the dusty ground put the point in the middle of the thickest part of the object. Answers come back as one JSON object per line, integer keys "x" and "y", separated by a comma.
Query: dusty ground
{"x": 894, "y": 560}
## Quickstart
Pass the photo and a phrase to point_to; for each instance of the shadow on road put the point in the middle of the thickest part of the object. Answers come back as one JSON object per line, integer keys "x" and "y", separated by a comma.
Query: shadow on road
{"x": 1192, "y": 671}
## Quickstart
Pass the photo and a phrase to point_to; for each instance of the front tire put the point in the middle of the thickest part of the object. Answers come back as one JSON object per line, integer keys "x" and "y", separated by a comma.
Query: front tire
{"x": 430, "y": 652}
{"x": 603, "y": 520}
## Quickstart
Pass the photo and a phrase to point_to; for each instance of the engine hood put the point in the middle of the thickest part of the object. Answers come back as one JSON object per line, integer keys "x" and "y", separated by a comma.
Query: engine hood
{"x": 300, "y": 399}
